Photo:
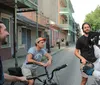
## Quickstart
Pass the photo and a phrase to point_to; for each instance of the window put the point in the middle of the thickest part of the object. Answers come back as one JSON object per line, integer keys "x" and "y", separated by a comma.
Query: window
{"x": 24, "y": 36}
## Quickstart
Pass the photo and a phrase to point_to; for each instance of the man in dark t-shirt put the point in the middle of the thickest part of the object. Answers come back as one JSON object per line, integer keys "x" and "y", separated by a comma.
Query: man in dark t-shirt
{"x": 86, "y": 50}
{"x": 82, "y": 49}
{"x": 3, "y": 36}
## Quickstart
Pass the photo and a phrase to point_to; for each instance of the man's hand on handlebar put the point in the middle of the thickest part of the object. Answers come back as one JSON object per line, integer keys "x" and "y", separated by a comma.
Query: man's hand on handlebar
{"x": 43, "y": 64}
{"x": 83, "y": 60}
{"x": 48, "y": 63}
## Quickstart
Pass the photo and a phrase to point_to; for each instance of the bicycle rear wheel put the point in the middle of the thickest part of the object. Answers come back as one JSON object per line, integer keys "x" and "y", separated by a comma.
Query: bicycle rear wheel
{"x": 19, "y": 83}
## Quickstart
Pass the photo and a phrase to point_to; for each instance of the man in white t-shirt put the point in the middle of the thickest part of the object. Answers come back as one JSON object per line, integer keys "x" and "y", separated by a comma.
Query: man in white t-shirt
{"x": 34, "y": 56}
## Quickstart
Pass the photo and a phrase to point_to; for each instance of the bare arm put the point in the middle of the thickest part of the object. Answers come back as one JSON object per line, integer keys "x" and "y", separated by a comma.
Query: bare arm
{"x": 76, "y": 52}
{"x": 13, "y": 78}
{"x": 29, "y": 59}
{"x": 49, "y": 57}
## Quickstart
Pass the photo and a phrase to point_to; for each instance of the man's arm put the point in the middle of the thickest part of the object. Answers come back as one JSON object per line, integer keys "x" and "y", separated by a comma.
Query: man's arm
{"x": 29, "y": 59}
{"x": 49, "y": 57}
{"x": 13, "y": 78}
{"x": 76, "y": 52}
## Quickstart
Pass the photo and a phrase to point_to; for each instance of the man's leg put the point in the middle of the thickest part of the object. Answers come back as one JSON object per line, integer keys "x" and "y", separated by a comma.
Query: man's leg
{"x": 84, "y": 76}
{"x": 84, "y": 81}
{"x": 27, "y": 73}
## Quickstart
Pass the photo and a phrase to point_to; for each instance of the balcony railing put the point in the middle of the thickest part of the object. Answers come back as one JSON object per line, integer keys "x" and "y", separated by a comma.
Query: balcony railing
{"x": 67, "y": 27}
{"x": 64, "y": 26}
{"x": 20, "y": 3}
{"x": 29, "y": 3}
{"x": 35, "y": 1}
{"x": 63, "y": 10}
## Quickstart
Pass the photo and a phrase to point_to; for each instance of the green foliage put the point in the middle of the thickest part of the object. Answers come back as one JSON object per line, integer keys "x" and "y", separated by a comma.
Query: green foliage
{"x": 94, "y": 19}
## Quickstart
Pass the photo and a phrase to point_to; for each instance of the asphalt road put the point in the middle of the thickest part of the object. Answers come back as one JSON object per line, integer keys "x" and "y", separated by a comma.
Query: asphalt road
{"x": 71, "y": 74}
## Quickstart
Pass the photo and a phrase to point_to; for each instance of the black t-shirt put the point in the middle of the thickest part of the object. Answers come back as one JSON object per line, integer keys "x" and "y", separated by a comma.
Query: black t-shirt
{"x": 86, "y": 52}
{"x": 1, "y": 73}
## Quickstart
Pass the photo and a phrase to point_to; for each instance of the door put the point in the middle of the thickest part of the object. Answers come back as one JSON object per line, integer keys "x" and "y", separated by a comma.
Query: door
{"x": 28, "y": 39}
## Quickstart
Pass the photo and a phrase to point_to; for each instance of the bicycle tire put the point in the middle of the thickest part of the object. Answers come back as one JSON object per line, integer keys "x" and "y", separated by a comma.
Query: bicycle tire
{"x": 16, "y": 83}
{"x": 12, "y": 83}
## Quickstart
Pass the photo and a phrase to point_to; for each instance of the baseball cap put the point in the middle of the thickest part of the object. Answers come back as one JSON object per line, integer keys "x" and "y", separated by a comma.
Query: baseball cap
{"x": 40, "y": 39}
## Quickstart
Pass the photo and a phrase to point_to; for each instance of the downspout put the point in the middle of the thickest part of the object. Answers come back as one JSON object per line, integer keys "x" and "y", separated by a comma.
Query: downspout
{"x": 37, "y": 21}
{"x": 68, "y": 22}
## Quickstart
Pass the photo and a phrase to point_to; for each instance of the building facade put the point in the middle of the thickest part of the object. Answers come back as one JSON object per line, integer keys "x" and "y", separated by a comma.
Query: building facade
{"x": 8, "y": 12}
{"x": 65, "y": 19}
{"x": 59, "y": 13}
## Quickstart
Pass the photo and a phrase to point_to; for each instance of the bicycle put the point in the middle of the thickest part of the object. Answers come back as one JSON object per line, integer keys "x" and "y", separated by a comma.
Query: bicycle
{"x": 49, "y": 77}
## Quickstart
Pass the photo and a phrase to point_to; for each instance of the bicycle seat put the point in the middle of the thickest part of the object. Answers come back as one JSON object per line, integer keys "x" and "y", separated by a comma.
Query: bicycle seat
{"x": 16, "y": 71}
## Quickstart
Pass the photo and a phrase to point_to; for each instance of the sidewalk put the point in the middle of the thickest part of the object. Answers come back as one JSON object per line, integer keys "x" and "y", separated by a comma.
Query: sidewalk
{"x": 11, "y": 62}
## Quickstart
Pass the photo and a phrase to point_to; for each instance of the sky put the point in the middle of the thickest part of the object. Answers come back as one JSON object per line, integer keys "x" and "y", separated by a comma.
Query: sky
{"x": 83, "y": 7}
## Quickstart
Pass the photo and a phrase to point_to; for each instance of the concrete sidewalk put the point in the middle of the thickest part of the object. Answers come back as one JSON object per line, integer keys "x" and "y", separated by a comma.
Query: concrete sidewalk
{"x": 11, "y": 62}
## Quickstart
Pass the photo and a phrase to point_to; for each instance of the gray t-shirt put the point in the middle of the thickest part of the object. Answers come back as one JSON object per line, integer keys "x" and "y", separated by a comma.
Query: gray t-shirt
{"x": 37, "y": 55}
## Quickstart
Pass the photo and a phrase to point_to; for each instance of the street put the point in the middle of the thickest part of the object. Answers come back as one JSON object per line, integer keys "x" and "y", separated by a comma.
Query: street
{"x": 71, "y": 74}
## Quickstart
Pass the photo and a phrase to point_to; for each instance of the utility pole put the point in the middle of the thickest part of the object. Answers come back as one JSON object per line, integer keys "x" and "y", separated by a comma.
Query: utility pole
{"x": 15, "y": 34}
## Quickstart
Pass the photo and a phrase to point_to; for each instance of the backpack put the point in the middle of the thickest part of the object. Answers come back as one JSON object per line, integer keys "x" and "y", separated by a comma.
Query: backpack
{"x": 93, "y": 39}
{"x": 91, "y": 56}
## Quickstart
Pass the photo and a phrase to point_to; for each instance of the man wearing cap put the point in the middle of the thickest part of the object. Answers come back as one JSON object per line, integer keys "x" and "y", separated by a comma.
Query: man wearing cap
{"x": 34, "y": 56}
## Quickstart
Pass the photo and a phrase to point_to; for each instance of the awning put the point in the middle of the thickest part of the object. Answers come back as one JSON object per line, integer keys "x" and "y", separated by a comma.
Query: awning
{"x": 28, "y": 22}
{"x": 20, "y": 3}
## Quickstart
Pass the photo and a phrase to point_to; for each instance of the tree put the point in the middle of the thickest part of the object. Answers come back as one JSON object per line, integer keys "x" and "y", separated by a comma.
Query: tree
{"x": 94, "y": 19}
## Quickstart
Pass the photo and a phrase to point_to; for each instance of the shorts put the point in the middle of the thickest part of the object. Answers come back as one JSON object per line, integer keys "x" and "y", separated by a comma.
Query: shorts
{"x": 28, "y": 72}
{"x": 82, "y": 73}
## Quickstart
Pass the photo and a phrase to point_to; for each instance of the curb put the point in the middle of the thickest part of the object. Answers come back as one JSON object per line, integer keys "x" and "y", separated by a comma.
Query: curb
{"x": 44, "y": 58}
{"x": 57, "y": 51}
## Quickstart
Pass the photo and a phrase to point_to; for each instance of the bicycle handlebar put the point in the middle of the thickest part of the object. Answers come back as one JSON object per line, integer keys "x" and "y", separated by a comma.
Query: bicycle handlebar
{"x": 29, "y": 63}
{"x": 56, "y": 69}
{"x": 60, "y": 67}
{"x": 34, "y": 63}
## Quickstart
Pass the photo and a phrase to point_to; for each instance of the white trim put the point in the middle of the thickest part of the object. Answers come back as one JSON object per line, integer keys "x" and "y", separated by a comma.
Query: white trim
{"x": 62, "y": 12}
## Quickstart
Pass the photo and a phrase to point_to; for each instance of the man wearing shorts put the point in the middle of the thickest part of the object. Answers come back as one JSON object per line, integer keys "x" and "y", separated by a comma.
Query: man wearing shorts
{"x": 34, "y": 56}
{"x": 82, "y": 49}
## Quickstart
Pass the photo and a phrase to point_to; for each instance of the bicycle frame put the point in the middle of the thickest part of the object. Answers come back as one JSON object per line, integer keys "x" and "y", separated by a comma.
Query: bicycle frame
{"x": 45, "y": 80}
{"x": 48, "y": 81}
